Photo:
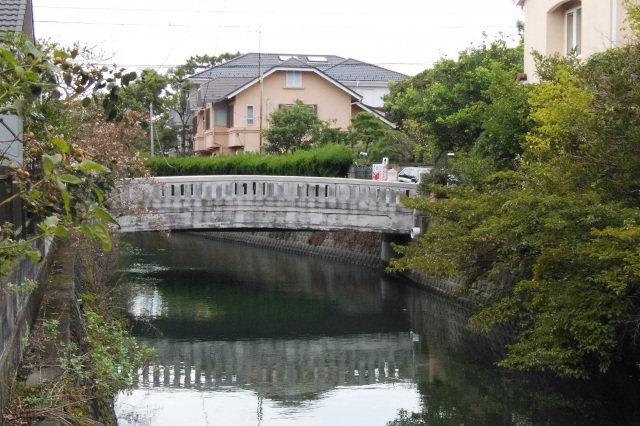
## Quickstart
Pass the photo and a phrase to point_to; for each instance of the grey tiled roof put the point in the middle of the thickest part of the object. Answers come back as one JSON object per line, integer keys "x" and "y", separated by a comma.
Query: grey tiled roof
{"x": 338, "y": 68}
{"x": 219, "y": 87}
{"x": 222, "y": 80}
{"x": 354, "y": 70}
{"x": 13, "y": 14}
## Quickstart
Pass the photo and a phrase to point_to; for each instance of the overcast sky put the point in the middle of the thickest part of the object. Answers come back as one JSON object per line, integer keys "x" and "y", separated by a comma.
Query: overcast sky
{"x": 403, "y": 35}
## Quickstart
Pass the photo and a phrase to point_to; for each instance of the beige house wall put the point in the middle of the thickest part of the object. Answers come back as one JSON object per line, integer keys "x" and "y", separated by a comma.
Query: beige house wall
{"x": 332, "y": 102}
{"x": 545, "y": 28}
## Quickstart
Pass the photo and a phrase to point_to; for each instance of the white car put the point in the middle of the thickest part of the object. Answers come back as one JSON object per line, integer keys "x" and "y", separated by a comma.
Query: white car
{"x": 412, "y": 174}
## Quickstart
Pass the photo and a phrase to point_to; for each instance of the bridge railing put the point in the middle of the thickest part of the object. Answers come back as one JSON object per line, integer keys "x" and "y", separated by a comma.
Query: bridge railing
{"x": 281, "y": 196}
{"x": 166, "y": 190}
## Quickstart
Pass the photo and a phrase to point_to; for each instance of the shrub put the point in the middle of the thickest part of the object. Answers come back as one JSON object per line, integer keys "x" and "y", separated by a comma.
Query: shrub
{"x": 326, "y": 161}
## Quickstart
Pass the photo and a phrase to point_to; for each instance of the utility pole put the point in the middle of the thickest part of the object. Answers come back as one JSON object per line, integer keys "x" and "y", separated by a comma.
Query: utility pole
{"x": 261, "y": 85}
{"x": 151, "y": 123}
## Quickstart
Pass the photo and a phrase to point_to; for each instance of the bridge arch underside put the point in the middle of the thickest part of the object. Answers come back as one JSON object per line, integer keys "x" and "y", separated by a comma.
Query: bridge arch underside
{"x": 265, "y": 203}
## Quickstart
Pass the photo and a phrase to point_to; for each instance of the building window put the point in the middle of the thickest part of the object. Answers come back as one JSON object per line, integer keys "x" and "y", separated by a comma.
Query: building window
{"x": 574, "y": 30}
{"x": 249, "y": 115}
{"x": 207, "y": 119}
{"x": 221, "y": 117}
{"x": 294, "y": 78}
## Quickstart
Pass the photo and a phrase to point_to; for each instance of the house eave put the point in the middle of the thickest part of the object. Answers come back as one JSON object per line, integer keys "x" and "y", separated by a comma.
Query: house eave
{"x": 372, "y": 111}
{"x": 274, "y": 69}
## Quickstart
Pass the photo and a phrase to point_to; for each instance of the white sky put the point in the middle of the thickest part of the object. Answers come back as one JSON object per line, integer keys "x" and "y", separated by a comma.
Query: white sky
{"x": 402, "y": 35}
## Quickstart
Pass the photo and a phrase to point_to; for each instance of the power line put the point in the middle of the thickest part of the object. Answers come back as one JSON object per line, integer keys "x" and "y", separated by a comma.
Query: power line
{"x": 156, "y": 66}
{"x": 240, "y": 12}
{"x": 277, "y": 27}
{"x": 132, "y": 24}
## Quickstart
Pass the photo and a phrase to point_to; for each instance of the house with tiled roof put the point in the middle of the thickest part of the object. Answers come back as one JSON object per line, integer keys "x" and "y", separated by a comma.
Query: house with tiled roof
{"x": 232, "y": 101}
{"x": 16, "y": 16}
{"x": 564, "y": 26}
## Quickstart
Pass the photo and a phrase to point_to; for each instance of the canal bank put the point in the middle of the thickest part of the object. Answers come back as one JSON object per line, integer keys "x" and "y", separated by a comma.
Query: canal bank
{"x": 17, "y": 313}
{"x": 78, "y": 354}
{"x": 42, "y": 392}
{"x": 360, "y": 248}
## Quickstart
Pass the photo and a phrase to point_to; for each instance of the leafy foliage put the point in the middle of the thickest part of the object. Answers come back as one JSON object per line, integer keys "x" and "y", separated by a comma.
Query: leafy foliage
{"x": 146, "y": 90}
{"x": 396, "y": 146}
{"x": 328, "y": 161}
{"x": 171, "y": 113}
{"x": 366, "y": 129}
{"x": 64, "y": 187}
{"x": 197, "y": 64}
{"x": 557, "y": 236}
{"x": 114, "y": 357}
{"x": 466, "y": 103}
{"x": 291, "y": 128}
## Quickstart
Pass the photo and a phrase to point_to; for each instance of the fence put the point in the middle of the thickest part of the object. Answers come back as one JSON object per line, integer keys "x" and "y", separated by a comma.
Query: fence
{"x": 12, "y": 207}
{"x": 364, "y": 172}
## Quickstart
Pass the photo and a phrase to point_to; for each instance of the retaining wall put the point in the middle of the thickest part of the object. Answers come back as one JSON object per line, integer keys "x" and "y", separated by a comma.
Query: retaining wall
{"x": 362, "y": 248}
{"x": 17, "y": 314}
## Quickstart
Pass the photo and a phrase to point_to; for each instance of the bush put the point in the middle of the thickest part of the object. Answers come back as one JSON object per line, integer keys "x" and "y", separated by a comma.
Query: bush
{"x": 327, "y": 161}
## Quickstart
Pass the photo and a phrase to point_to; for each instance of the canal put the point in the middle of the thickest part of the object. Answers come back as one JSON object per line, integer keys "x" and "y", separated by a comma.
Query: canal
{"x": 250, "y": 336}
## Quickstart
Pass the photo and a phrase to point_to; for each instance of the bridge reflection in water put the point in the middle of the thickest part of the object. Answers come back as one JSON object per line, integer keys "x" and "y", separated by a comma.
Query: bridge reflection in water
{"x": 282, "y": 327}
{"x": 284, "y": 369}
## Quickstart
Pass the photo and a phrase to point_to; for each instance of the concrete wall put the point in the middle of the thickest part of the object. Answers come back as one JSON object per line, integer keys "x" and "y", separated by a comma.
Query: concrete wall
{"x": 362, "y": 248}
{"x": 359, "y": 248}
{"x": 17, "y": 313}
{"x": 545, "y": 30}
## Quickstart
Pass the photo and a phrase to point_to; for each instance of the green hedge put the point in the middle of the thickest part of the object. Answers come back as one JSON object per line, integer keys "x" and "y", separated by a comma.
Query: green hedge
{"x": 327, "y": 161}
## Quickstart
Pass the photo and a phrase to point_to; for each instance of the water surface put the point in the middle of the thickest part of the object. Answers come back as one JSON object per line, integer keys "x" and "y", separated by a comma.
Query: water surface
{"x": 250, "y": 336}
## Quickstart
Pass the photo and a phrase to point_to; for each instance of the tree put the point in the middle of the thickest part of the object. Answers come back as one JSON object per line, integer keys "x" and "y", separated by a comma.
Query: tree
{"x": 366, "y": 128}
{"x": 558, "y": 235}
{"x": 291, "y": 127}
{"x": 44, "y": 86}
{"x": 198, "y": 63}
{"x": 177, "y": 103}
{"x": 396, "y": 146}
{"x": 149, "y": 89}
{"x": 112, "y": 142}
{"x": 168, "y": 94}
{"x": 456, "y": 103}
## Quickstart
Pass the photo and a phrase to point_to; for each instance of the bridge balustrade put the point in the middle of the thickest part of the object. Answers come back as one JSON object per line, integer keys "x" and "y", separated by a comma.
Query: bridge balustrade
{"x": 258, "y": 202}
{"x": 308, "y": 365}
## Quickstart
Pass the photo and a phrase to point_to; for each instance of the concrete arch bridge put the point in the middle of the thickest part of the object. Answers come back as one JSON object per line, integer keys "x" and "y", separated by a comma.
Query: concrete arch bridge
{"x": 251, "y": 202}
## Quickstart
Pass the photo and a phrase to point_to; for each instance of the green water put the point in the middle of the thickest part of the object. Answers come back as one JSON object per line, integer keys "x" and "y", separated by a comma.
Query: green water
{"x": 249, "y": 336}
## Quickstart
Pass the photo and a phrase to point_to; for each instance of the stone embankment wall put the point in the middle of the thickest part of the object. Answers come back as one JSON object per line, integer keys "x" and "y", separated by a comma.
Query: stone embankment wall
{"x": 17, "y": 314}
{"x": 362, "y": 248}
